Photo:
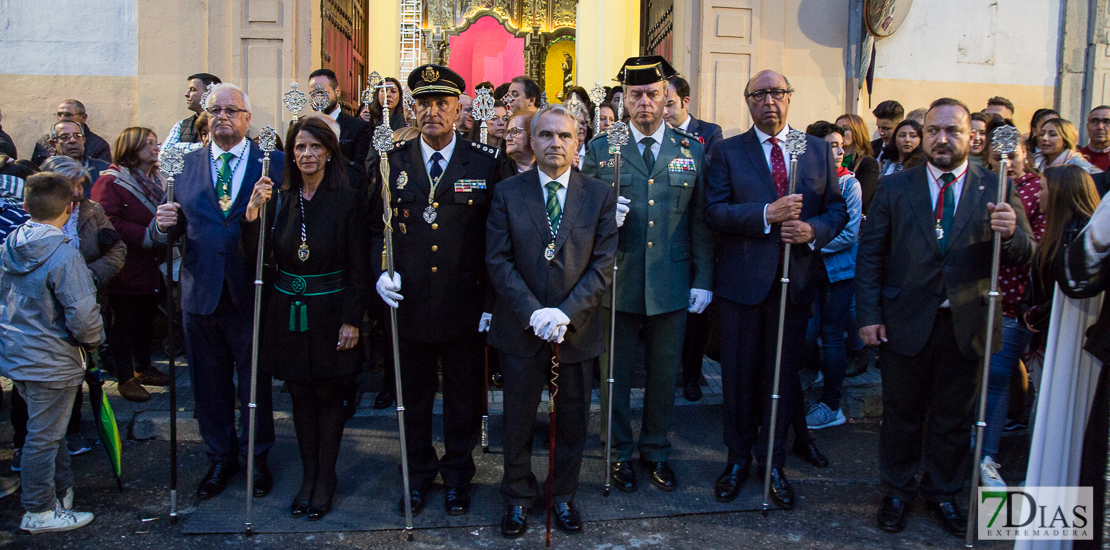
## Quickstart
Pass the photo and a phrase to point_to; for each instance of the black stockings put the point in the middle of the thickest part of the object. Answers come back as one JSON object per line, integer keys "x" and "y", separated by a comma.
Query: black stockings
{"x": 318, "y": 418}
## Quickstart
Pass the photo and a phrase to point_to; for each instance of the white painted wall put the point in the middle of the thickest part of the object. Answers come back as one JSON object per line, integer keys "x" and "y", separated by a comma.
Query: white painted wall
{"x": 985, "y": 41}
{"x": 69, "y": 37}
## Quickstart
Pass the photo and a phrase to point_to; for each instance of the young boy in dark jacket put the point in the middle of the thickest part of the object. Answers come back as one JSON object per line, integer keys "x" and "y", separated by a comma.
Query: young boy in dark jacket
{"x": 48, "y": 318}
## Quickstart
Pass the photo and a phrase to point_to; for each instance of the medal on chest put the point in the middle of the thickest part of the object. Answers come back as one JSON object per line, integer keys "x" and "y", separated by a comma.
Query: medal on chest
{"x": 549, "y": 252}
{"x": 430, "y": 211}
{"x": 302, "y": 251}
{"x": 940, "y": 232}
{"x": 225, "y": 201}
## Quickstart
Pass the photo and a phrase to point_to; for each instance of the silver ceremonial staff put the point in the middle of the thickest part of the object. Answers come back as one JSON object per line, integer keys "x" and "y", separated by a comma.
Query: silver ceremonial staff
{"x": 267, "y": 141}
{"x": 171, "y": 162}
{"x": 597, "y": 95}
{"x": 1004, "y": 141}
{"x": 618, "y": 137}
{"x": 383, "y": 143}
{"x": 483, "y": 110}
{"x": 795, "y": 145}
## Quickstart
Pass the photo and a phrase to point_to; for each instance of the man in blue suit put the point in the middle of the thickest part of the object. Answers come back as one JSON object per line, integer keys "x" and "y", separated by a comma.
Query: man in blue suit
{"x": 748, "y": 205}
{"x": 217, "y": 297}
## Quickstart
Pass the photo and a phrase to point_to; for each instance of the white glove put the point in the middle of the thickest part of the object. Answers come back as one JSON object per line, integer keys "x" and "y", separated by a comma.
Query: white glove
{"x": 699, "y": 300}
{"x": 557, "y": 334}
{"x": 483, "y": 324}
{"x": 622, "y": 209}
{"x": 546, "y": 321}
{"x": 390, "y": 290}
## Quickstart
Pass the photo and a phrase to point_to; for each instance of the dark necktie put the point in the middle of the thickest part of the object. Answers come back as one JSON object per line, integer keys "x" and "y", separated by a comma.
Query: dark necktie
{"x": 778, "y": 167}
{"x": 649, "y": 157}
{"x": 436, "y": 170}
{"x": 948, "y": 208}
{"x": 554, "y": 209}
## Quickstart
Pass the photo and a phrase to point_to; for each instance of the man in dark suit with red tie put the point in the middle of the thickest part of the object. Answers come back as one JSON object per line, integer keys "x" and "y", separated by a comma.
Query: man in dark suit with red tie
{"x": 747, "y": 204}
{"x": 923, "y": 275}
{"x": 550, "y": 246}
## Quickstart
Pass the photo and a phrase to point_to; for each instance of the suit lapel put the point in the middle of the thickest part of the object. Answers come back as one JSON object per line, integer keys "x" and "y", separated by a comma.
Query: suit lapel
{"x": 970, "y": 200}
{"x": 631, "y": 154}
{"x": 251, "y": 174}
{"x": 203, "y": 163}
{"x": 758, "y": 160}
{"x": 571, "y": 208}
{"x": 921, "y": 204}
{"x": 668, "y": 150}
{"x": 694, "y": 127}
{"x": 418, "y": 172}
{"x": 532, "y": 197}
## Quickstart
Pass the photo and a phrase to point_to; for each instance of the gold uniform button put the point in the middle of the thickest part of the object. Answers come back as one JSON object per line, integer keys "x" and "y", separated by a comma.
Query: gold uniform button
{"x": 651, "y": 224}
{"x": 435, "y": 248}
{"x": 651, "y": 202}
{"x": 434, "y": 269}
{"x": 650, "y": 245}
{"x": 435, "y": 205}
{"x": 651, "y": 181}
{"x": 435, "y": 226}
{"x": 470, "y": 202}
{"x": 686, "y": 184}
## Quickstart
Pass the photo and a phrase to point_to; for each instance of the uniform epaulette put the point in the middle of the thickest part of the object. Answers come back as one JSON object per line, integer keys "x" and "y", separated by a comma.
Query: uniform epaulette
{"x": 492, "y": 152}
{"x": 684, "y": 133}
{"x": 597, "y": 137}
{"x": 400, "y": 144}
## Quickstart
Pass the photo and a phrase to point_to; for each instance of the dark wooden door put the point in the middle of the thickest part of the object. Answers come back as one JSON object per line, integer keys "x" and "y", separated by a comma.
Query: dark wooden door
{"x": 657, "y": 28}
{"x": 344, "y": 46}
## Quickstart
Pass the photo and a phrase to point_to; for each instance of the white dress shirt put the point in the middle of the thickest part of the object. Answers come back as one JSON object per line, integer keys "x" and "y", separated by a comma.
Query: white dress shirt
{"x": 335, "y": 113}
{"x": 657, "y": 136}
{"x": 685, "y": 126}
{"x": 763, "y": 141}
{"x": 238, "y": 163}
{"x": 957, "y": 189}
{"x": 428, "y": 151}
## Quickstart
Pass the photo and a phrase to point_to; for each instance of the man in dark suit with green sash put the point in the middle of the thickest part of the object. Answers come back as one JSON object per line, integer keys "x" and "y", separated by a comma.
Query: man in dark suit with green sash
{"x": 664, "y": 259}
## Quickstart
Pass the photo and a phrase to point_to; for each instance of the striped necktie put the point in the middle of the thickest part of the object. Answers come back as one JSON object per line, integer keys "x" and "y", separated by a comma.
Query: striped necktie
{"x": 554, "y": 210}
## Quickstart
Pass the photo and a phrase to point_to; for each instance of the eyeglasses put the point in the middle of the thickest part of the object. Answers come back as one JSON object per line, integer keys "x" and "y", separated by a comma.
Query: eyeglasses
{"x": 1099, "y": 121}
{"x": 231, "y": 112}
{"x": 514, "y": 132}
{"x": 68, "y": 137}
{"x": 776, "y": 94}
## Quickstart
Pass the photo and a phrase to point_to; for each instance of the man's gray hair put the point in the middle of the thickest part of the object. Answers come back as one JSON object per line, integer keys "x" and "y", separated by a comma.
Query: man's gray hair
{"x": 555, "y": 109}
{"x": 74, "y": 171}
{"x": 54, "y": 128}
{"x": 227, "y": 86}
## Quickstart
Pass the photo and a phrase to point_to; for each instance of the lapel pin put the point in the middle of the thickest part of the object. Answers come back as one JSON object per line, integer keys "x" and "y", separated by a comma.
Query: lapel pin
{"x": 981, "y": 187}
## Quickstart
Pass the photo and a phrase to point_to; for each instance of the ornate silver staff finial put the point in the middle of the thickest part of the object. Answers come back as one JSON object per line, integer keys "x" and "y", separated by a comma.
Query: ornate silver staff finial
{"x": 597, "y": 95}
{"x": 618, "y": 131}
{"x": 410, "y": 105}
{"x": 383, "y": 137}
{"x": 294, "y": 100}
{"x": 171, "y": 162}
{"x": 1004, "y": 140}
{"x": 575, "y": 106}
{"x": 367, "y": 95}
{"x": 543, "y": 100}
{"x": 483, "y": 109}
{"x": 320, "y": 98}
{"x": 795, "y": 143}
{"x": 510, "y": 103}
{"x": 267, "y": 139}
{"x": 204, "y": 96}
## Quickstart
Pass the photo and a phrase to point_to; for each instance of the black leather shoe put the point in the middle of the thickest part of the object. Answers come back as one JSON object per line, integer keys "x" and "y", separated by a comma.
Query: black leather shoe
{"x": 263, "y": 481}
{"x": 417, "y": 502}
{"x": 782, "y": 494}
{"x": 661, "y": 475}
{"x": 623, "y": 477}
{"x": 457, "y": 501}
{"x": 514, "y": 522}
{"x": 728, "y": 484}
{"x": 952, "y": 519}
{"x": 215, "y": 481}
{"x": 809, "y": 452}
{"x": 498, "y": 380}
{"x": 385, "y": 398}
{"x": 892, "y": 514}
{"x": 298, "y": 508}
{"x": 692, "y": 391}
{"x": 567, "y": 517}
{"x": 316, "y": 512}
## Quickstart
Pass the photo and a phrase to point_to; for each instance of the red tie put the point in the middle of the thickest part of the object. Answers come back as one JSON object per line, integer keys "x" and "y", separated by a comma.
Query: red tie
{"x": 778, "y": 167}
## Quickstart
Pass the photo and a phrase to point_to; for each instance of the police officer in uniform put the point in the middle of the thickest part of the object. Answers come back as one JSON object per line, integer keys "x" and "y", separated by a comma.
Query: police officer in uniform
{"x": 442, "y": 187}
{"x": 665, "y": 260}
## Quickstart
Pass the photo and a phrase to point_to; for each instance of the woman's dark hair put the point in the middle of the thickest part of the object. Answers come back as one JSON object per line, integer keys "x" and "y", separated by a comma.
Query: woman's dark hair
{"x": 584, "y": 96}
{"x": 21, "y": 169}
{"x": 128, "y": 144}
{"x": 483, "y": 84}
{"x": 1034, "y": 125}
{"x": 822, "y": 128}
{"x": 335, "y": 175}
{"x": 1071, "y": 196}
{"x": 890, "y": 150}
{"x": 376, "y": 106}
{"x": 501, "y": 91}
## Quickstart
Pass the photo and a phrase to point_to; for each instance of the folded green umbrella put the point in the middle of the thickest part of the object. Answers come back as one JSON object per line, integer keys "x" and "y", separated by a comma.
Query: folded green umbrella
{"x": 106, "y": 426}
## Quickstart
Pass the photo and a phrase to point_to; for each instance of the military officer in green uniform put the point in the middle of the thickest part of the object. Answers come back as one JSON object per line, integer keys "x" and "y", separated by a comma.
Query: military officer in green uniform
{"x": 664, "y": 259}
{"x": 441, "y": 187}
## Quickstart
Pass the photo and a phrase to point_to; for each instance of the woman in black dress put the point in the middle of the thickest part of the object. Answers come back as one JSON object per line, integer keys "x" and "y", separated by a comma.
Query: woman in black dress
{"x": 314, "y": 299}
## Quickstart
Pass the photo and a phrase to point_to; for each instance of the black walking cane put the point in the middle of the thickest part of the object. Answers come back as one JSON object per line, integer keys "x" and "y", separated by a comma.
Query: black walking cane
{"x": 794, "y": 145}
{"x": 171, "y": 161}
{"x": 267, "y": 141}
{"x": 1004, "y": 141}
{"x": 482, "y": 111}
{"x": 553, "y": 390}
{"x": 618, "y": 137}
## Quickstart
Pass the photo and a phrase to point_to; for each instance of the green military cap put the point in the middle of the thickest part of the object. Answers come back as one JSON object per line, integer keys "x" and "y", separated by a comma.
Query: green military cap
{"x": 435, "y": 79}
{"x": 647, "y": 69}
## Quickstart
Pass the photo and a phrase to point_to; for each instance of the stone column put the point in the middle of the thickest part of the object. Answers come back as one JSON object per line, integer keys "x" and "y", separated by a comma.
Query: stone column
{"x": 384, "y": 26}
{"x": 1084, "y": 60}
{"x": 607, "y": 33}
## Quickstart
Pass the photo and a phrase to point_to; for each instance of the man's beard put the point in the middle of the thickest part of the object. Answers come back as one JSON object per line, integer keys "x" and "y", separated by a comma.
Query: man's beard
{"x": 955, "y": 159}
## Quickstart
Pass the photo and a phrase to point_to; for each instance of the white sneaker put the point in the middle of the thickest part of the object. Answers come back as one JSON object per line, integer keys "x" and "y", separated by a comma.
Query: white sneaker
{"x": 821, "y": 416}
{"x": 67, "y": 499}
{"x": 8, "y": 485}
{"x": 52, "y": 521}
{"x": 988, "y": 474}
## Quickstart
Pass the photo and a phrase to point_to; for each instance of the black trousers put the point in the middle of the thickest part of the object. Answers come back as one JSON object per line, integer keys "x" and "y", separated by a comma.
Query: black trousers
{"x": 928, "y": 401}
{"x": 749, "y": 337}
{"x": 131, "y": 332}
{"x": 463, "y": 392}
{"x": 1092, "y": 467}
{"x": 525, "y": 380}
{"x": 219, "y": 350}
{"x": 694, "y": 343}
